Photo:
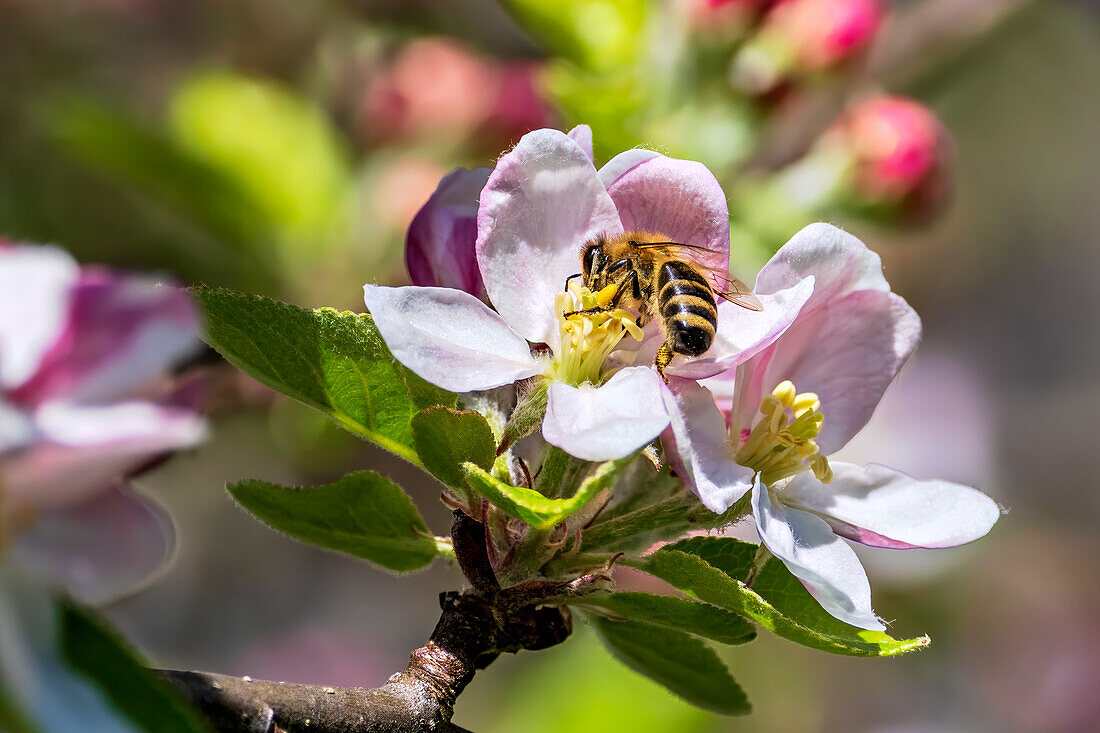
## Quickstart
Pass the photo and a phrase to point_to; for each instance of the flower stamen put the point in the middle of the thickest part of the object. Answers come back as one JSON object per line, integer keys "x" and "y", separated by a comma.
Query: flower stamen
{"x": 588, "y": 336}
{"x": 782, "y": 442}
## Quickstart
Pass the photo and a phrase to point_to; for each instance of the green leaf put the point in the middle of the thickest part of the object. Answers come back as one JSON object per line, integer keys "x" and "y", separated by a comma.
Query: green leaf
{"x": 534, "y": 508}
{"x": 93, "y": 650}
{"x": 335, "y": 362}
{"x": 446, "y": 438}
{"x": 688, "y": 571}
{"x": 605, "y": 34}
{"x": 701, "y": 619}
{"x": 363, "y": 514}
{"x": 277, "y": 147}
{"x": 730, "y": 555}
{"x": 679, "y": 661}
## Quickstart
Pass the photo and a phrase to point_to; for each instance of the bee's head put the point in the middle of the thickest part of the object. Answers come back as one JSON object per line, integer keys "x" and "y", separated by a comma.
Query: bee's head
{"x": 591, "y": 258}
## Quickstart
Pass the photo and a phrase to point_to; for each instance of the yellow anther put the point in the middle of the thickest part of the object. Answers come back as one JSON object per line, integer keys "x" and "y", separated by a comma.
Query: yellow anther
{"x": 782, "y": 442}
{"x": 785, "y": 393}
{"x": 806, "y": 402}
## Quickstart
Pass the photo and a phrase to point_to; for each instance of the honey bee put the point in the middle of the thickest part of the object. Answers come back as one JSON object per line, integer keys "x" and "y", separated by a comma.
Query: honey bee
{"x": 661, "y": 279}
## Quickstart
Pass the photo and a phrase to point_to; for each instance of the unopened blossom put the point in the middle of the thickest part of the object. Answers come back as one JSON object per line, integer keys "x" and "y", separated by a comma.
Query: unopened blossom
{"x": 437, "y": 86}
{"x": 439, "y": 246}
{"x": 802, "y": 398}
{"x": 897, "y": 150}
{"x": 801, "y": 37}
{"x": 85, "y": 355}
{"x": 542, "y": 202}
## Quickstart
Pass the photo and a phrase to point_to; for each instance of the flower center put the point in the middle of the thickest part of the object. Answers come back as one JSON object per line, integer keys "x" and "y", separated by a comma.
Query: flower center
{"x": 782, "y": 443}
{"x": 588, "y": 338}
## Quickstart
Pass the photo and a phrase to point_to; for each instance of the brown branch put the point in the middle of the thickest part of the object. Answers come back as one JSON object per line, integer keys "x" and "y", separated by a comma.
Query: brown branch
{"x": 473, "y": 629}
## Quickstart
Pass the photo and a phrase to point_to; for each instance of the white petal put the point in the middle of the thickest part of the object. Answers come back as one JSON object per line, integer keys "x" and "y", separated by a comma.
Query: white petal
{"x": 582, "y": 135}
{"x": 543, "y": 201}
{"x": 124, "y": 333}
{"x": 83, "y": 448}
{"x": 680, "y": 199}
{"x": 35, "y": 284}
{"x": 848, "y": 351}
{"x": 614, "y": 169}
{"x": 120, "y": 424}
{"x": 841, "y": 263}
{"x": 696, "y": 445}
{"x": 607, "y": 422}
{"x": 824, "y": 563}
{"x": 882, "y": 507}
{"x": 743, "y": 333}
{"x": 101, "y": 547}
{"x": 449, "y": 337}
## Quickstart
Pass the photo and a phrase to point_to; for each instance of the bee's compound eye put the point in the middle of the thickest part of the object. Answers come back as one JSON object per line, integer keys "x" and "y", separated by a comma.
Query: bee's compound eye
{"x": 589, "y": 257}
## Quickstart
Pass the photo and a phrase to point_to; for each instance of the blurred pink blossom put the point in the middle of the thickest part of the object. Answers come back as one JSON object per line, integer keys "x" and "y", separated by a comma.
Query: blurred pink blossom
{"x": 85, "y": 355}
{"x": 800, "y": 37}
{"x": 900, "y": 150}
{"x": 436, "y": 85}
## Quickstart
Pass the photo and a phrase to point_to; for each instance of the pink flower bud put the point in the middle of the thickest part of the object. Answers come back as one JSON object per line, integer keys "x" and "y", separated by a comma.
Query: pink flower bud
{"x": 824, "y": 33}
{"x": 439, "y": 248}
{"x": 899, "y": 149}
{"x": 799, "y": 37}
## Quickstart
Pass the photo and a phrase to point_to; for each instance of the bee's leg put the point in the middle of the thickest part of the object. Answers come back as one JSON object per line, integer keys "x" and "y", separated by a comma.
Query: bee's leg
{"x": 664, "y": 358}
{"x": 566, "y": 288}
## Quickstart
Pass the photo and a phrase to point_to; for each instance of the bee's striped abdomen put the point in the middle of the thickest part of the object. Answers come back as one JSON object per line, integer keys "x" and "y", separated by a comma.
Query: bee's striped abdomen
{"x": 687, "y": 308}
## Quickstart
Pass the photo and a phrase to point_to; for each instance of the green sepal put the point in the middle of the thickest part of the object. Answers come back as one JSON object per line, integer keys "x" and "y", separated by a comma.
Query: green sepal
{"x": 363, "y": 514}
{"x": 445, "y": 439}
{"x": 534, "y": 508}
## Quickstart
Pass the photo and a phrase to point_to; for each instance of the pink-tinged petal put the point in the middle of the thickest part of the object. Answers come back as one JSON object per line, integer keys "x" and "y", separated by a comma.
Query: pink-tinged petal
{"x": 81, "y": 449}
{"x": 122, "y": 333}
{"x": 100, "y": 548}
{"x": 439, "y": 247}
{"x": 743, "y": 333}
{"x": 824, "y": 563}
{"x": 449, "y": 337}
{"x": 543, "y": 201}
{"x": 606, "y": 422}
{"x": 848, "y": 352}
{"x": 696, "y": 446}
{"x": 35, "y": 285}
{"x": 680, "y": 199}
{"x": 582, "y": 135}
{"x": 882, "y": 507}
{"x": 839, "y": 262}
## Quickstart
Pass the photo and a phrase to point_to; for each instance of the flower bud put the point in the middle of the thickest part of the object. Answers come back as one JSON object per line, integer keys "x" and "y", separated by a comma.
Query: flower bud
{"x": 800, "y": 37}
{"x": 439, "y": 248}
{"x": 898, "y": 151}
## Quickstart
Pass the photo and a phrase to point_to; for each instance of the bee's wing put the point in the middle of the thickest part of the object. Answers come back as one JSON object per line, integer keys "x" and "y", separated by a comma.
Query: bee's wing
{"x": 726, "y": 286}
{"x": 735, "y": 291}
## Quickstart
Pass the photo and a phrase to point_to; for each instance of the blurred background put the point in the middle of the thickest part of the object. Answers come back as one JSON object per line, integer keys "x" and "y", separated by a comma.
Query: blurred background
{"x": 282, "y": 147}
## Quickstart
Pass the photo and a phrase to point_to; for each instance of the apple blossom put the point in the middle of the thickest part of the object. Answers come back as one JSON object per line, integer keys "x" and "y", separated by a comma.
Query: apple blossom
{"x": 845, "y": 347}
{"x": 541, "y": 203}
{"x": 84, "y": 359}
